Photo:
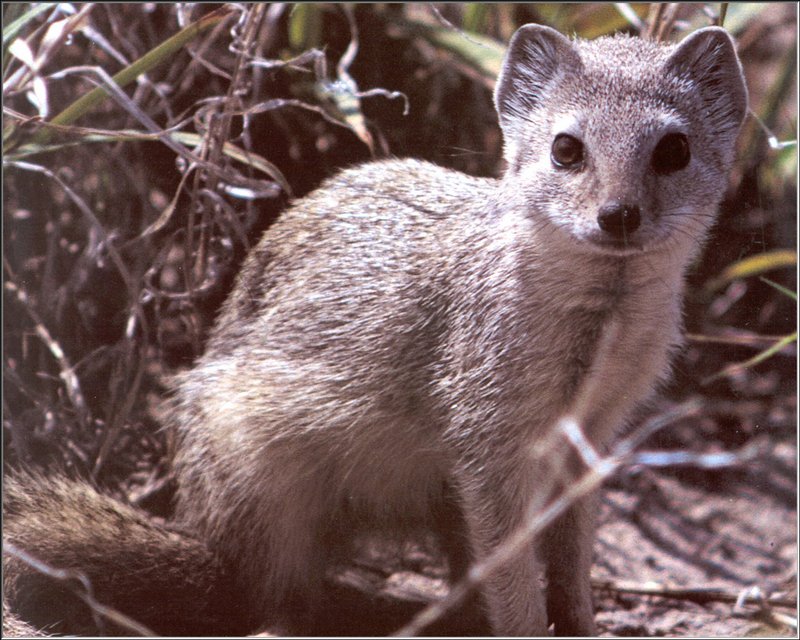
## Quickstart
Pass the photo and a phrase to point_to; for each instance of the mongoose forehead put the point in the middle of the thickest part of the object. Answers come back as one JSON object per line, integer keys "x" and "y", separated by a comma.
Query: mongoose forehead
{"x": 623, "y": 55}
{"x": 623, "y": 71}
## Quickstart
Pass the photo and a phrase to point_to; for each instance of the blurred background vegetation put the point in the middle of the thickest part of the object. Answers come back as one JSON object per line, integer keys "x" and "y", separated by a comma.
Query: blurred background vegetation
{"x": 147, "y": 146}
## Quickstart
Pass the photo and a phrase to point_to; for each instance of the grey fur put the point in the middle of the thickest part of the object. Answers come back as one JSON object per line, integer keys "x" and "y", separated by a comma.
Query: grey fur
{"x": 407, "y": 332}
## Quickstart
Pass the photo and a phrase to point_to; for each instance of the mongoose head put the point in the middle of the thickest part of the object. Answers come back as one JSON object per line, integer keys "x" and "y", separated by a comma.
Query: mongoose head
{"x": 619, "y": 142}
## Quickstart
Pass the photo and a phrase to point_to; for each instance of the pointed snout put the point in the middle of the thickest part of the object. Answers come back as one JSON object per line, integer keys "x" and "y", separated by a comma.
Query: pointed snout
{"x": 619, "y": 219}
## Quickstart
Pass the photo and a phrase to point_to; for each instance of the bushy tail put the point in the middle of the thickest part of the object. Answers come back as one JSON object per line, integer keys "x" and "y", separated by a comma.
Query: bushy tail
{"x": 162, "y": 579}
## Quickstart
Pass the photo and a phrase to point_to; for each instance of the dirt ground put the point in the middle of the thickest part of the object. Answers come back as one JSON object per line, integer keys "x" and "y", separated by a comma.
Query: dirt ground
{"x": 717, "y": 529}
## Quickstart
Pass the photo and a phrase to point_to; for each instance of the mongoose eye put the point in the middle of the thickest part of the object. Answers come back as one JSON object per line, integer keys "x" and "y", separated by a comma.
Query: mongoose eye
{"x": 567, "y": 151}
{"x": 671, "y": 154}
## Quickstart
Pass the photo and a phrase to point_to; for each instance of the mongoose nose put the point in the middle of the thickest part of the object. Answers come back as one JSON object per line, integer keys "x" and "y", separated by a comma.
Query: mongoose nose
{"x": 620, "y": 220}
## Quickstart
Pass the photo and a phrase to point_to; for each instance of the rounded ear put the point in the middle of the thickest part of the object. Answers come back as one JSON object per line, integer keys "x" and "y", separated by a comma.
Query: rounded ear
{"x": 535, "y": 56}
{"x": 707, "y": 60}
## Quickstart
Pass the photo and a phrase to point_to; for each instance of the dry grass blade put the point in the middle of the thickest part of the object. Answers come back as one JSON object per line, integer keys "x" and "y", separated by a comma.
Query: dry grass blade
{"x": 661, "y": 20}
{"x": 67, "y": 375}
{"x": 737, "y": 338}
{"x": 157, "y": 56}
{"x": 218, "y": 131}
{"x": 739, "y": 367}
{"x": 119, "y": 263}
{"x": 483, "y": 55}
{"x": 630, "y": 15}
{"x": 700, "y": 595}
{"x": 120, "y": 412}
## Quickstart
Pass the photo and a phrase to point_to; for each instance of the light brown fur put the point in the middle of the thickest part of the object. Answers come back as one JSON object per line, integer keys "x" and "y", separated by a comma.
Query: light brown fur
{"x": 400, "y": 339}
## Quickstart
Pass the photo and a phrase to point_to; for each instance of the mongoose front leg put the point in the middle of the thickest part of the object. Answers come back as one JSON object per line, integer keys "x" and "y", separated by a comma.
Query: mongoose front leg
{"x": 494, "y": 508}
{"x": 567, "y": 549}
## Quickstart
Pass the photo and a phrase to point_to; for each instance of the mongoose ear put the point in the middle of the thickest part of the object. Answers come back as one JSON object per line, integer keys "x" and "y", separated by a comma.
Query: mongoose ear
{"x": 707, "y": 60}
{"x": 535, "y": 56}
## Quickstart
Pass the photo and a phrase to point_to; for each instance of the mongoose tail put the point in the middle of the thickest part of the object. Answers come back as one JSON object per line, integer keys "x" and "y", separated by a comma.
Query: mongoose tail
{"x": 165, "y": 580}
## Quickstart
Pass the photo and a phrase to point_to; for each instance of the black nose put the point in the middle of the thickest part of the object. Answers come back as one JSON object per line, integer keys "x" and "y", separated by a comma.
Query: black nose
{"x": 620, "y": 220}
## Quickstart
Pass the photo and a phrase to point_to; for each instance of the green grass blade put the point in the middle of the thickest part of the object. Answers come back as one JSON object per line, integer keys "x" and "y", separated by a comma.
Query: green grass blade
{"x": 12, "y": 30}
{"x": 758, "y": 358}
{"x": 152, "y": 58}
{"x": 787, "y": 292}
{"x": 754, "y": 265}
{"x": 250, "y": 159}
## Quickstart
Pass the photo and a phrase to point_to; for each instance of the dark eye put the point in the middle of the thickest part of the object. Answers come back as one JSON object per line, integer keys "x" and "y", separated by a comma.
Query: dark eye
{"x": 567, "y": 152}
{"x": 671, "y": 154}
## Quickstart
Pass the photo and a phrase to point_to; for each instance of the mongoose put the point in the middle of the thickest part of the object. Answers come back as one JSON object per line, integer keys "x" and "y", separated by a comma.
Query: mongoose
{"x": 403, "y": 338}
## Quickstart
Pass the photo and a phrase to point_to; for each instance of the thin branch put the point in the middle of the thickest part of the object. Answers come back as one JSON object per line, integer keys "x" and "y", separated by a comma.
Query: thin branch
{"x": 68, "y": 578}
{"x": 700, "y": 595}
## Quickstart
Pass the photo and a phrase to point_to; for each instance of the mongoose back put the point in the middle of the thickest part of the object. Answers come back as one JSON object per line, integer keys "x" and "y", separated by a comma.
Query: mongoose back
{"x": 403, "y": 338}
